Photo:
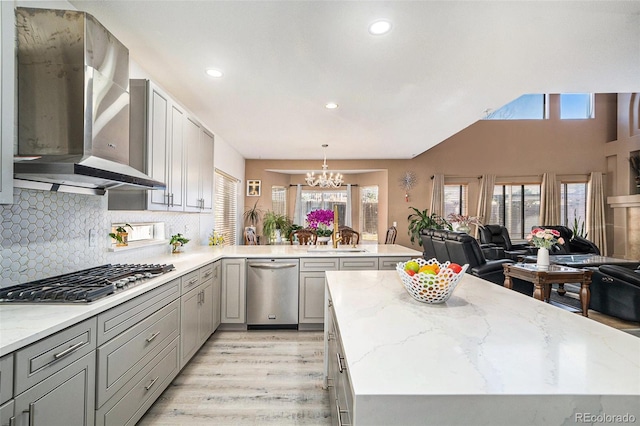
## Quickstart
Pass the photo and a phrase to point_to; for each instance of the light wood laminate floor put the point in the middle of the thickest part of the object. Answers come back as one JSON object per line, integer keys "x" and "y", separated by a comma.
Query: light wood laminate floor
{"x": 248, "y": 378}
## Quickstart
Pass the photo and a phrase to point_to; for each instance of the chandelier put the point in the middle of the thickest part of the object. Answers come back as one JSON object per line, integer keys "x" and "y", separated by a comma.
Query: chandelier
{"x": 324, "y": 180}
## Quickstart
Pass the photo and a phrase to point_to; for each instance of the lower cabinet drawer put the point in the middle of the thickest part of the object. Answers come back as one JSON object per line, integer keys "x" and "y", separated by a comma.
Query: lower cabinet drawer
{"x": 130, "y": 403}
{"x": 358, "y": 263}
{"x": 42, "y": 359}
{"x": 121, "y": 358}
{"x": 390, "y": 263}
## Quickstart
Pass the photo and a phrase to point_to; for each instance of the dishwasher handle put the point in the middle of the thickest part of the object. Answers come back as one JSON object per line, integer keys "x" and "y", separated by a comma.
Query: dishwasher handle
{"x": 272, "y": 265}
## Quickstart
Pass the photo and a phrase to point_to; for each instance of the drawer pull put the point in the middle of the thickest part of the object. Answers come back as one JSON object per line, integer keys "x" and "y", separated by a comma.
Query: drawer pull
{"x": 207, "y": 274}
{"x": 31, "y": 411}
{"x": 331, "y": 336}
{"x": 340, "y": 413}
{"x": 340, "y": 367}
{"x": 153, "y": 336}
{"x": 69, "y": 350}
{"x": 193, "y": 281}
{"x": 153, "y": 382}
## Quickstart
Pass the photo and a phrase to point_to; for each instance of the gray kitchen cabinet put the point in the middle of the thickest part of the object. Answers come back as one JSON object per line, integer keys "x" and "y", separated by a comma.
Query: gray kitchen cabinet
{"x": 233, "y": 291}
{"x": 196, "y": 321}
{"x": 389, "y": 263}
{"x": 6, "y": 414}
{"x": 358, "y": 263}
{"x": 55, "y": 378}
{"x": 338, "y": 379}
{"x": 156, "y": 147}
{"x": 138, "y": 353}
{"x": 311, "y": 292}
{"x": 217, "y": 285}
{"x": 7, "y": 99}
{"x": 198, "y": 167}
{"x": 6, "y": 378}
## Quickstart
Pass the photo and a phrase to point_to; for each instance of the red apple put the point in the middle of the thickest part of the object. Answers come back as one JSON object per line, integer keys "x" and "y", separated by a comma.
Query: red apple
{"x": 455, "y": 267}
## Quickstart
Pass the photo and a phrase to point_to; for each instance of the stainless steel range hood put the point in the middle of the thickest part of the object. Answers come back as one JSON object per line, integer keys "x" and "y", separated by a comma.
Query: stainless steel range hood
{"x": 73, "y": 103}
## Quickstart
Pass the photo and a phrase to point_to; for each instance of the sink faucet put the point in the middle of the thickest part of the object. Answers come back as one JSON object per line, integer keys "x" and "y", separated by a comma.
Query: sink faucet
{"x": 335, "y": 236}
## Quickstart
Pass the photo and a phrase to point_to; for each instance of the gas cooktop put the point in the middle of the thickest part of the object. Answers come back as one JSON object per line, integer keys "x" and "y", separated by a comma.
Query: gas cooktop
{"x": 83, "y": 286}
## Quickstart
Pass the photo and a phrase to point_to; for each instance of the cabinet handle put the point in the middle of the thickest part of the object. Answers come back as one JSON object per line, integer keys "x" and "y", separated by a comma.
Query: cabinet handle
{"x": 153, "y": 382}
{"x": 329, "y": 379}
{"x": 340, "y": 367}
{"x": 153, "y": 336}
{"x": 330, "y": 303}
{"x": 31, "y": 411}
{"x": 340, "y": 413}
{"x": 12, "y": 421}
{"x": 168, "y": 199}
{"x": 69, "y": 350}
{"x": 207, "y": 274}
{"x": 330, "y": 336}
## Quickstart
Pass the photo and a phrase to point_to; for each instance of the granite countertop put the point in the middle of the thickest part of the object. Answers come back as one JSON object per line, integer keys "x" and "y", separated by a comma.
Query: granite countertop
{"x": 22, "y": 324}
{"x": 484, "y": 341}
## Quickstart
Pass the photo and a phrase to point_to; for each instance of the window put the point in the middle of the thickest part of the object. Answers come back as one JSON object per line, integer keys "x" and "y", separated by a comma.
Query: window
{"x": 517, "y": 207}
{"x": 226, "y": 207}
{"x": 576, "y": 106}
{"x": 573, "y": 202}
{"x": 279, "y": 199}
{"x": 369, "y": 213}
{"x": 526, "y": 107}
{"x": 313, "y": 200}
{"x": 455, "y": 199}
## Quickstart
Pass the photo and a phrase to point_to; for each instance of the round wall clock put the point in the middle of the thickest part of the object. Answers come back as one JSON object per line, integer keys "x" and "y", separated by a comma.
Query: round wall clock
{"x": 408, "y": 181}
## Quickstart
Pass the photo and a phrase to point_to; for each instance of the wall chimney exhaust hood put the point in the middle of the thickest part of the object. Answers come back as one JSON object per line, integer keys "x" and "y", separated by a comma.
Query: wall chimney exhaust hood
{"x": 73, "y": 104}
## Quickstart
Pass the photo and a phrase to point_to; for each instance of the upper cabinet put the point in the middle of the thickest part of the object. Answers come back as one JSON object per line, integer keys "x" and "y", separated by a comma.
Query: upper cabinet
{"x": 7, "y": 100}
{"x": 171, "y": 146}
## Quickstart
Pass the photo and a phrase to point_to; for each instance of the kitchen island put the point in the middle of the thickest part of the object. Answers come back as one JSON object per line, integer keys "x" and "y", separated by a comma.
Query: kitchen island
{"x": 487, "y": 356}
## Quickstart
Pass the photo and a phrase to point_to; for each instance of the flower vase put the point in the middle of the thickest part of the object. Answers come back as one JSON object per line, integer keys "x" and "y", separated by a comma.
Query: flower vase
{"x": 463, "y": 228}
{"x": 323, "y": 240}
{"x": 543, "y": 257}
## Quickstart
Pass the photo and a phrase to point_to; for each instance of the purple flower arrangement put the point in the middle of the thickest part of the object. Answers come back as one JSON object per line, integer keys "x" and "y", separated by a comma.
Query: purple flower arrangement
{"x": 319, "y": 217}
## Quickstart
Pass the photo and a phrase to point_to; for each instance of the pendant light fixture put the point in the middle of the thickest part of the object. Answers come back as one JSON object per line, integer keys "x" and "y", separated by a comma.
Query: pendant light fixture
{"x": 324, "y": 180}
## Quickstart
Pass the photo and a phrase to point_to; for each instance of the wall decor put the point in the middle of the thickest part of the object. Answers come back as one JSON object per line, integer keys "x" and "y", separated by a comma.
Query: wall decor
{"x": 253, "y": 188}
{"x": 408, "y": 181}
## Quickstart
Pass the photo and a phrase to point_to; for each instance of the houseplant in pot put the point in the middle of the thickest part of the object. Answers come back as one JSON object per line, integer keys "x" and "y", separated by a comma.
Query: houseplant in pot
{"x": 273, "y": 224}
{"x": 121, "y": 235}
{"x": 321, "y": 220}
{"x": 419, "y": 220}
{"x": 177, "y": 241}
{"x": 252, "y": 215}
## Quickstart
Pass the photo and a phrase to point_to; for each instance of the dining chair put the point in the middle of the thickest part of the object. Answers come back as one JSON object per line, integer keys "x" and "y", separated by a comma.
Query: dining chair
{"x": 392, "y": 232}
{"x": 304, "y": 236}
{"x": 349, "y": 236}
{"x": 250, "y": 237}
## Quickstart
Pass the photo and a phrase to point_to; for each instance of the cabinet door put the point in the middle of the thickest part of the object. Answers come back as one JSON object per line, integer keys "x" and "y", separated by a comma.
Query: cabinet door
{"x": 311, "y": 304}
{"x": 189, "y": 318}
{"x": 65, "y": 398}
{"x": 6, "y": 413}
{"x": 193, "y": 161}
{"x": 158, "y": 131}
{"x": 233, "y": 306}
{"x": 176, "y": 163}
{"x": 217, "y": 284}
{"x": 206, "y": 170}
{"x": 206, "y": 313}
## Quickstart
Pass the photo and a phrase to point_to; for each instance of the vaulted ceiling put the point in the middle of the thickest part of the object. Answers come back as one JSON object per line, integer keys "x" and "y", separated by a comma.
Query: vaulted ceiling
{"x": 439, "y": 69}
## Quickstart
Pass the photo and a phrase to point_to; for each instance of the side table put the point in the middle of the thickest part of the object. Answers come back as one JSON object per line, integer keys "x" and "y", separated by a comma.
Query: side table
{"x": 543, "y": 277}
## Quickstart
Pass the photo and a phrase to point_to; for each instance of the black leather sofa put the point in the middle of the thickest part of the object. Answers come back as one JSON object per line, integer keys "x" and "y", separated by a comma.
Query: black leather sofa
{"x": 496, "y": 237}
{"x": 572, "y": 244}
{"x": 462, "y": 248}
{"x": 615, "y": 291}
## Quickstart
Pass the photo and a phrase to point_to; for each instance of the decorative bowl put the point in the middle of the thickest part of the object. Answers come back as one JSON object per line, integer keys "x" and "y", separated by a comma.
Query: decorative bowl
{"x": 430, "y": 288}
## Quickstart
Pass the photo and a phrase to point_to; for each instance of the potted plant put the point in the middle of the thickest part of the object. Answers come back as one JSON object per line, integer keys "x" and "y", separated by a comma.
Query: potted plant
{"x": 463, "y": 221}
{"x": 321, "y": 220}
{"x": 177, "y": 241}
{"x": 121, "y": 235}
{"x": 419, "y": 220}
{"x": 273, "y": 224}
{"x": 252, "y": 216}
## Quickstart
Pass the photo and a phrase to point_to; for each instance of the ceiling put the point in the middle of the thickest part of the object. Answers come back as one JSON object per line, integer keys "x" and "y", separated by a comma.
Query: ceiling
{"x": 437, "y": 71}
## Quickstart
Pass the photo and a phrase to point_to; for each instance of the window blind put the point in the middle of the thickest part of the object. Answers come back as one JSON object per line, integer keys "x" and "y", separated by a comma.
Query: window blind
{"x": 226, "y": 207}
{"x": 279, "y": 199}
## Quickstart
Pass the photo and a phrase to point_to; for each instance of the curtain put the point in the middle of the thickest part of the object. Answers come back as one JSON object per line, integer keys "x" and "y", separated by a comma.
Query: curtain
{"x": 437, "y": 195}
{"x": 549, "y": 200}
{"x": 347, "y": 213}
{"x": 297, "y": 208}
{"x": 487, "y": 184}
{"x": 595, "y": 224}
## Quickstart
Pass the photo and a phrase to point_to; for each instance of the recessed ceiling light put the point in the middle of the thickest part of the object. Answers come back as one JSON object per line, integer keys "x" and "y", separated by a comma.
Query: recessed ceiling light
{"x": 214, "y": 73}
{"x": 380, "y": 27}
{"x": 331, "y": 105}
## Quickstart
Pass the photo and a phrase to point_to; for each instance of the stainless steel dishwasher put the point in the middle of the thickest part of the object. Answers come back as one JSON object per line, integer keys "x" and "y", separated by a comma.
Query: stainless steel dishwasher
{"x": 272, "y": 293}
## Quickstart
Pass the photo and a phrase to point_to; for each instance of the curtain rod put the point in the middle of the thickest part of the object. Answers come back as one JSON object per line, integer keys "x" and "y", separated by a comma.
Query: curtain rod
{"x": 309, "y": 186}
{"x": 458, "y": 177}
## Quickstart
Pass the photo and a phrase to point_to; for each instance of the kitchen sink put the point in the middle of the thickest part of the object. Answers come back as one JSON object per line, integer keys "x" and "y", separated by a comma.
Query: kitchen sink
{"x": 337, "y": 250}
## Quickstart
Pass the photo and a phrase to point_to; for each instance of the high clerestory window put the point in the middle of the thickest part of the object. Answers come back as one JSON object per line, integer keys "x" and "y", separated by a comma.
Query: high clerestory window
{"x": 576, "y": 106}
{"x": 526, "y": 107}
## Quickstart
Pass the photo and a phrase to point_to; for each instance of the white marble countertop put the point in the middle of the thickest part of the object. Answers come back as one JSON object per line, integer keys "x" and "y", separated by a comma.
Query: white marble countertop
{"x": 22, "y": 324}
{"x": 525, "y": 361}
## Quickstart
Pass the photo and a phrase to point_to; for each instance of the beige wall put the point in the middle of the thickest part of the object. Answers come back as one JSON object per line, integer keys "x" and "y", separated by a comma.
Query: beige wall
{"x": 516, "y": 150}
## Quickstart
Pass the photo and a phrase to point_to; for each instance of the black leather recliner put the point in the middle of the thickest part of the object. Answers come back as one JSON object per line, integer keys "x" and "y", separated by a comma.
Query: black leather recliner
{"x": 462, "y": 248}
{"x": 572, "y": 244}
{"x": 615, "y": 291}
{"x": 498, "y": 236}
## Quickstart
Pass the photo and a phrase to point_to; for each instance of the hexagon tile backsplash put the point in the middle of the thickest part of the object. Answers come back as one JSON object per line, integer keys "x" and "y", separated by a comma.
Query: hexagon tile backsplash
{"x": 47, "y": 233}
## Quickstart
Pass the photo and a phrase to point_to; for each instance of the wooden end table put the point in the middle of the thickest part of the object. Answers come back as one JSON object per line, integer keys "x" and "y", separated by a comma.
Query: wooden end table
{"x": 543, "y": 277}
